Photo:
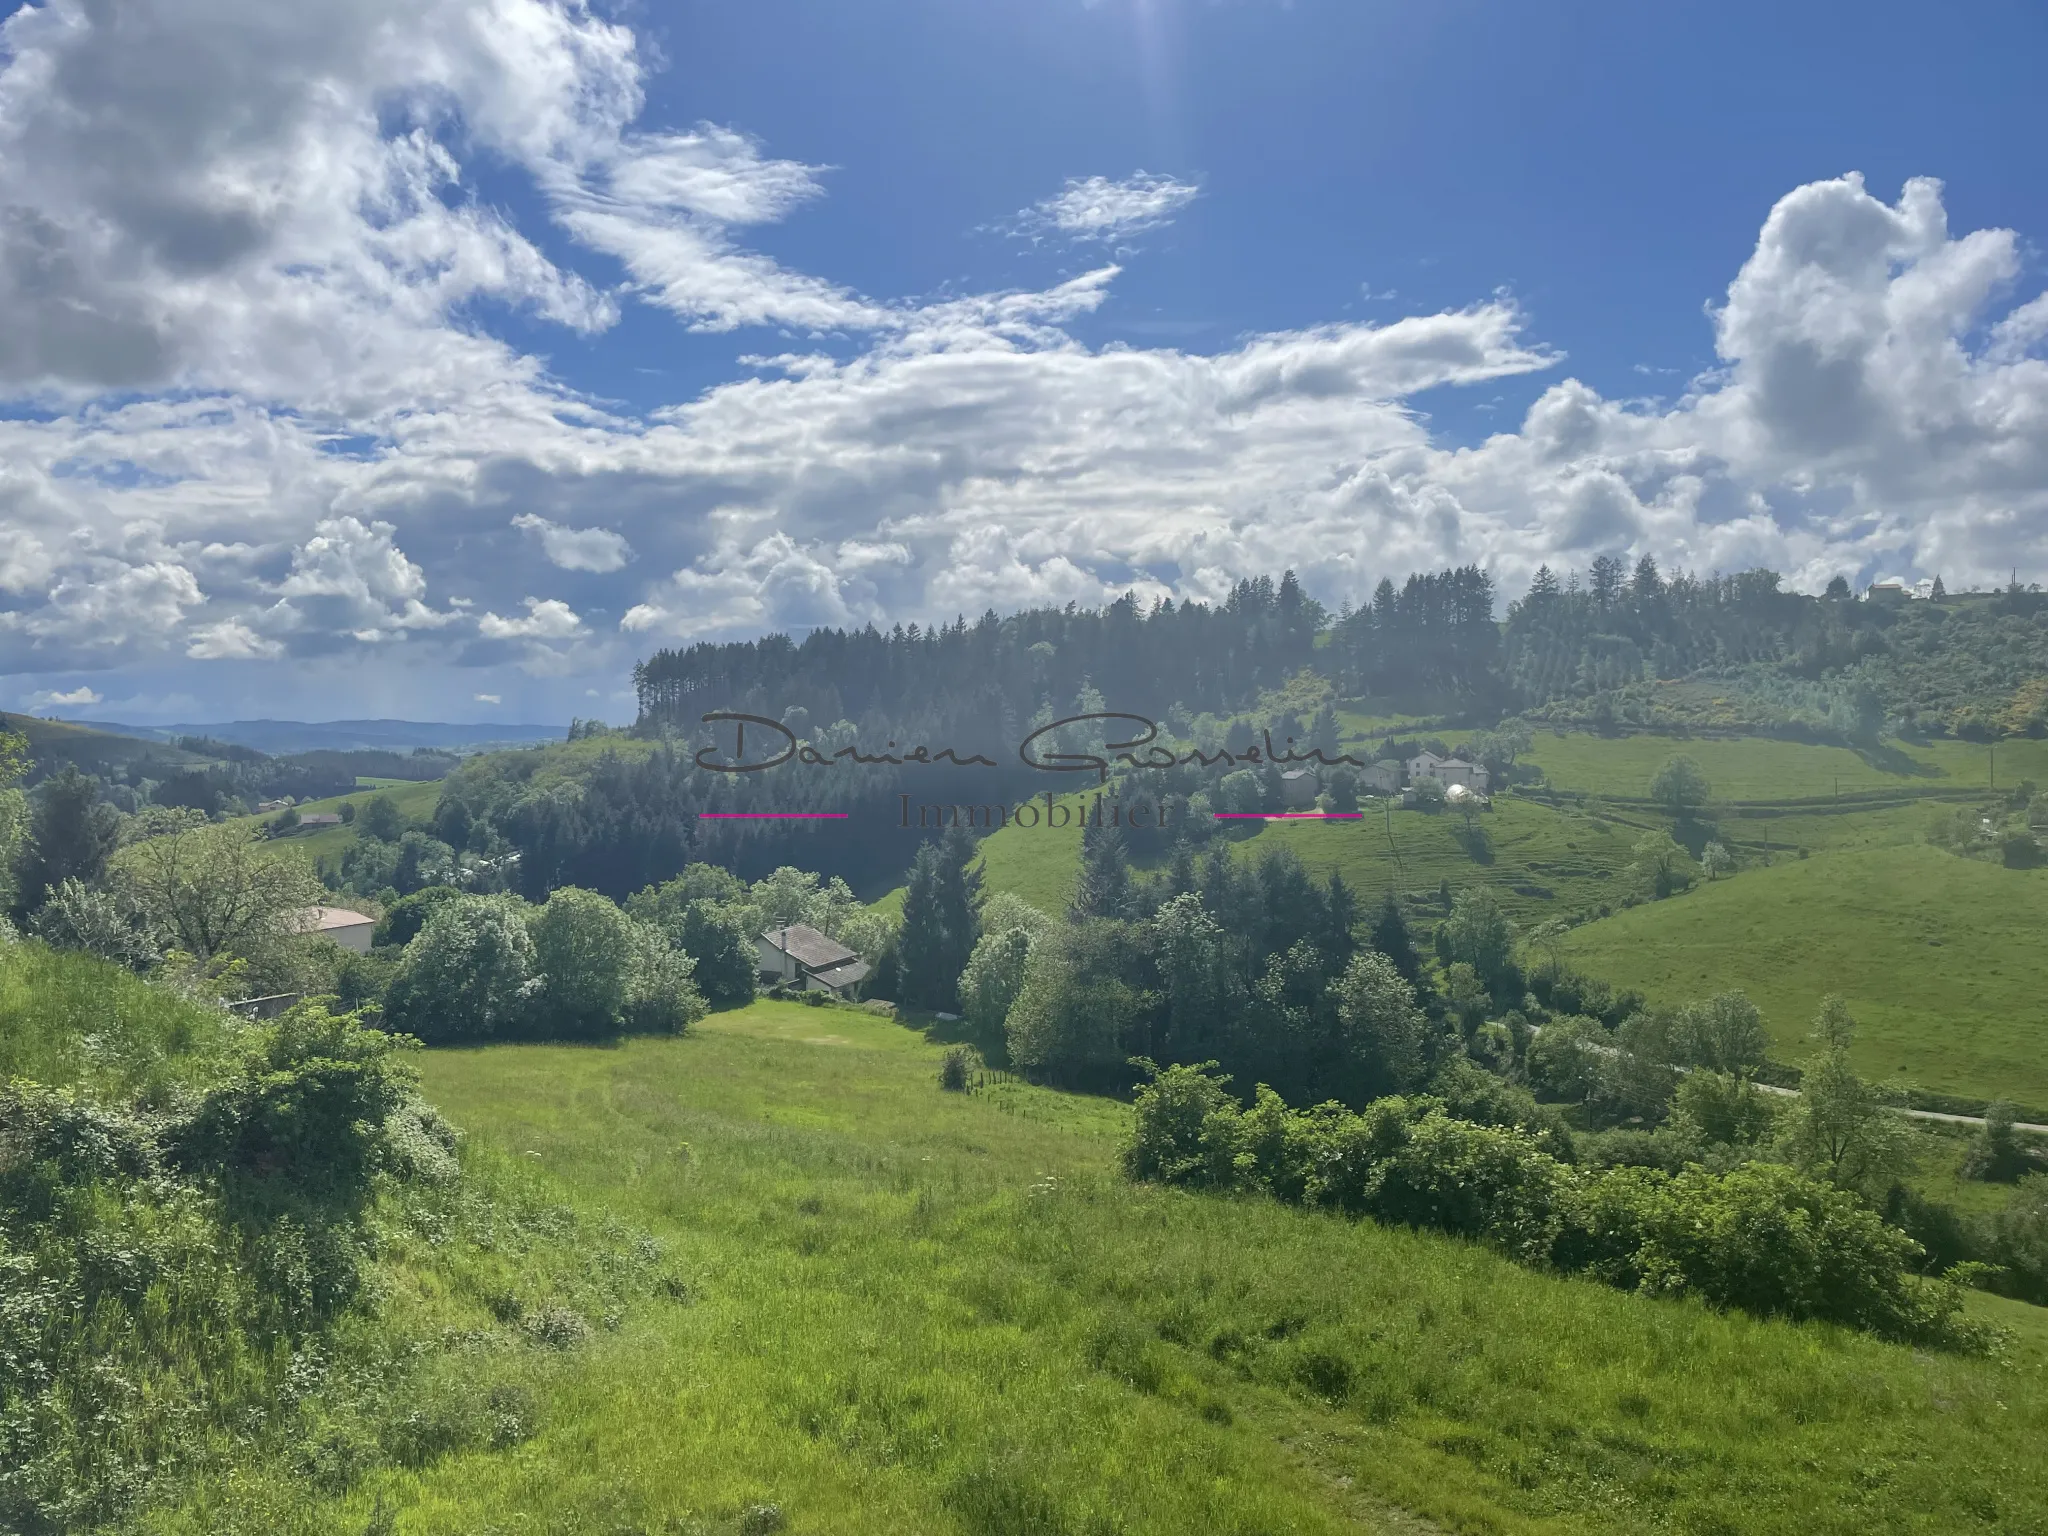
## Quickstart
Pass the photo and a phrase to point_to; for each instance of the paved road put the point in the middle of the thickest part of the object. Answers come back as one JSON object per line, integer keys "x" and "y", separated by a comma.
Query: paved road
{"x": 1911, "y": 1114}
{"x": 1925, "y": 1114}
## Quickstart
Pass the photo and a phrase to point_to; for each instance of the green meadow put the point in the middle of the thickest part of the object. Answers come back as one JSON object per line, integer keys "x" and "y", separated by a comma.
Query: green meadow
{"x": 415, "y": 801}
{"x": 1939, "y": 957}
{"x": 874, "y": 1306}
{"x": 1761, "y": 768}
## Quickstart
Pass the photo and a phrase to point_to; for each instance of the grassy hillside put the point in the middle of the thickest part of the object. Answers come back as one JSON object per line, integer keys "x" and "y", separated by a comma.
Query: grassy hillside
{"x": 415, "y": 801}
{"x": 1940, "y": 958}
{"x": 916, "y": 1312}
{"x": 1758, "y": 768}
{"x": 52, "y": 743}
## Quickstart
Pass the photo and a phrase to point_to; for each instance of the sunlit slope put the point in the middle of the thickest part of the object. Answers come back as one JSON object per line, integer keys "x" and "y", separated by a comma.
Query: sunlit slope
{"x": 922, "y": 1312}
{"x": 1941, "y": 959}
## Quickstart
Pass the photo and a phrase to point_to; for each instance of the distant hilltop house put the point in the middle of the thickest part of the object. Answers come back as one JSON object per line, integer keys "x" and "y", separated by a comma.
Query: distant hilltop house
{"x": 351, "y": 930}
{"x": 1298, "y": 788}
{"x": 274, "y": 805}
{"x": 321, "y": 819}
{"x": 1891, "y": 591}
{"x": 801, "y": 957}
{"x": 1448, "y": 771}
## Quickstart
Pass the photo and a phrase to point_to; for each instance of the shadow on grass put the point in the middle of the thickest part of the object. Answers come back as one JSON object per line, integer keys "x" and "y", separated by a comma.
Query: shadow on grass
{"x": 1886, "y": 758}
{"x": 1473, "y": 838}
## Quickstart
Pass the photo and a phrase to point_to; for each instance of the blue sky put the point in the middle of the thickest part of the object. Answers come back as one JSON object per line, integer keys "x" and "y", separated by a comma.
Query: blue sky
{"x": 439, "y": 358}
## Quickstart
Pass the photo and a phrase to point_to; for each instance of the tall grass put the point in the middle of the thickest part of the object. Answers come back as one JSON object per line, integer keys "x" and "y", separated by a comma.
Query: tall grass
{"x": 917, "y": 1311}
{"x": 67, "y": 1020}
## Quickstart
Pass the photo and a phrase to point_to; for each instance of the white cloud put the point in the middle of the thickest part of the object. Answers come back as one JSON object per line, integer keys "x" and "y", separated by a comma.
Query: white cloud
{"x": 1097, "y": 208}
{"x": 577, "y": 549}
{"x": 487, "y": 698}
{"x": 231, "y": 640}
{"x": 352, "y": 578}
{"x": 662, "y": 204}
{"x": 77, "y": 697}
{"x": 546, "y": 619}
{"x": 241, "y": 273}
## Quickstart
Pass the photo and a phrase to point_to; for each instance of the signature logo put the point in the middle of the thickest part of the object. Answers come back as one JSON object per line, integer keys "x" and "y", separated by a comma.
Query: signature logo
{"x": 775, "y": 744}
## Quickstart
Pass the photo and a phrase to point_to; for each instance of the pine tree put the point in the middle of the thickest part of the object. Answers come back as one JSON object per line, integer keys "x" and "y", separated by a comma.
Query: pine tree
{"x": 959, "y": 907}
{"x": 1390, "y": 936}
{"x": 1104, "y": 886}
{"x": 1323, "y": 732}
{"x": 921, "y": 946}
{"x": 71, "y": 835}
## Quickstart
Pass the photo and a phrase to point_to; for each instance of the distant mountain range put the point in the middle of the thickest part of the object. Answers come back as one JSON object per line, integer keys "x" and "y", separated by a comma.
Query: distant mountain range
{"x": 279, "y": 737}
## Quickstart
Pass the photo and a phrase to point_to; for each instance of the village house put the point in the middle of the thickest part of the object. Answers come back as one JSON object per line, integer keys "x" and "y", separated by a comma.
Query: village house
{"x": 1448, "y": 771}
{"x": 1382, "y": 778}
{"x": 799, "y": 956}
{"x": 1298, "y": 789}
{"x": 351, "y": 930}
{"x": 321, "y": 819}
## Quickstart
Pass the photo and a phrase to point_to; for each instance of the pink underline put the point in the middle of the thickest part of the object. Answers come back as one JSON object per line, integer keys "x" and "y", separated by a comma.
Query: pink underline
{"x": 739, "y": 815}
{"x": 1288, "y": 815}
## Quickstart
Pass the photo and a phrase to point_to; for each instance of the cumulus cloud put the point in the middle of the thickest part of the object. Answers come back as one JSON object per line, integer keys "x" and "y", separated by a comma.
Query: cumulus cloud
{"x": 487, "y": 698}
{"x": 577, "y": 549}
{"x": 352, "y": 579}
{"x": 248, "y": 284}
{"x": 81, "y": 695}
{"x": 546, "y": 619}
{"x": 1112, "y": 212}
{"x": 231, "y": 640}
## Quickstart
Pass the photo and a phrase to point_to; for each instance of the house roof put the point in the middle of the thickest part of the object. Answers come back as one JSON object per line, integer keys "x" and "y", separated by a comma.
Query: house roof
{"x": 321, "y": 819}
{"x": 844, "y": 974}
{"x": 1299, "y": 773}
{"x": 1425, "y": 756}
{"x": 808, "y": 947}
{"x": 1456, "y": 762}
{"x": 328, "y": 919}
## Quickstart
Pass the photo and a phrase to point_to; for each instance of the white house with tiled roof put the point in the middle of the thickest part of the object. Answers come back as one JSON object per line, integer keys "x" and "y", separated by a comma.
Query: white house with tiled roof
{"x": 800, "y": 956}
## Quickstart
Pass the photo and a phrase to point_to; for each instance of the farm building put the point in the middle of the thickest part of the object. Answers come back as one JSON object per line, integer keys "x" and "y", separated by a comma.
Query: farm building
{"x": 1383, "y": 777}
{"x": 351, "y": 930}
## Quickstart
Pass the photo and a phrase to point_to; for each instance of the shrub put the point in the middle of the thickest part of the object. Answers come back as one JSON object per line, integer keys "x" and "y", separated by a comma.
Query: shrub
{"x": 958, "y": 1067}
{"x": 584, "y": 952}
{"x": 1761, "y": 1237}
{"x": 468, "y": 974}
{"x": 1565, "y": 1057}
{"x": 1184, "y": 1130}
{"x": 661, "y": 994}
{"x": 99, "y": 922}
{"x": 1996, "y": 1154}
{"x": 409, "y": 914}
{"x": 1773, "y": 1242}
{"x": 1482, "y": 1181}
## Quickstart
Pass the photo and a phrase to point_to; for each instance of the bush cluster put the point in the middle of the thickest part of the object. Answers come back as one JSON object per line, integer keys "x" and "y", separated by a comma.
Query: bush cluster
{"x": 168, "y": 1247}
{"x": 493, "y": 967}
{"x": 1761, "y": 1237}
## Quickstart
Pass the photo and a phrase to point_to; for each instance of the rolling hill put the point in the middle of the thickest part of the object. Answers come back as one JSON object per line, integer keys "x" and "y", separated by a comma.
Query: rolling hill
{"x": 1940, "y": 959}
{"x": 283, "y": 737}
